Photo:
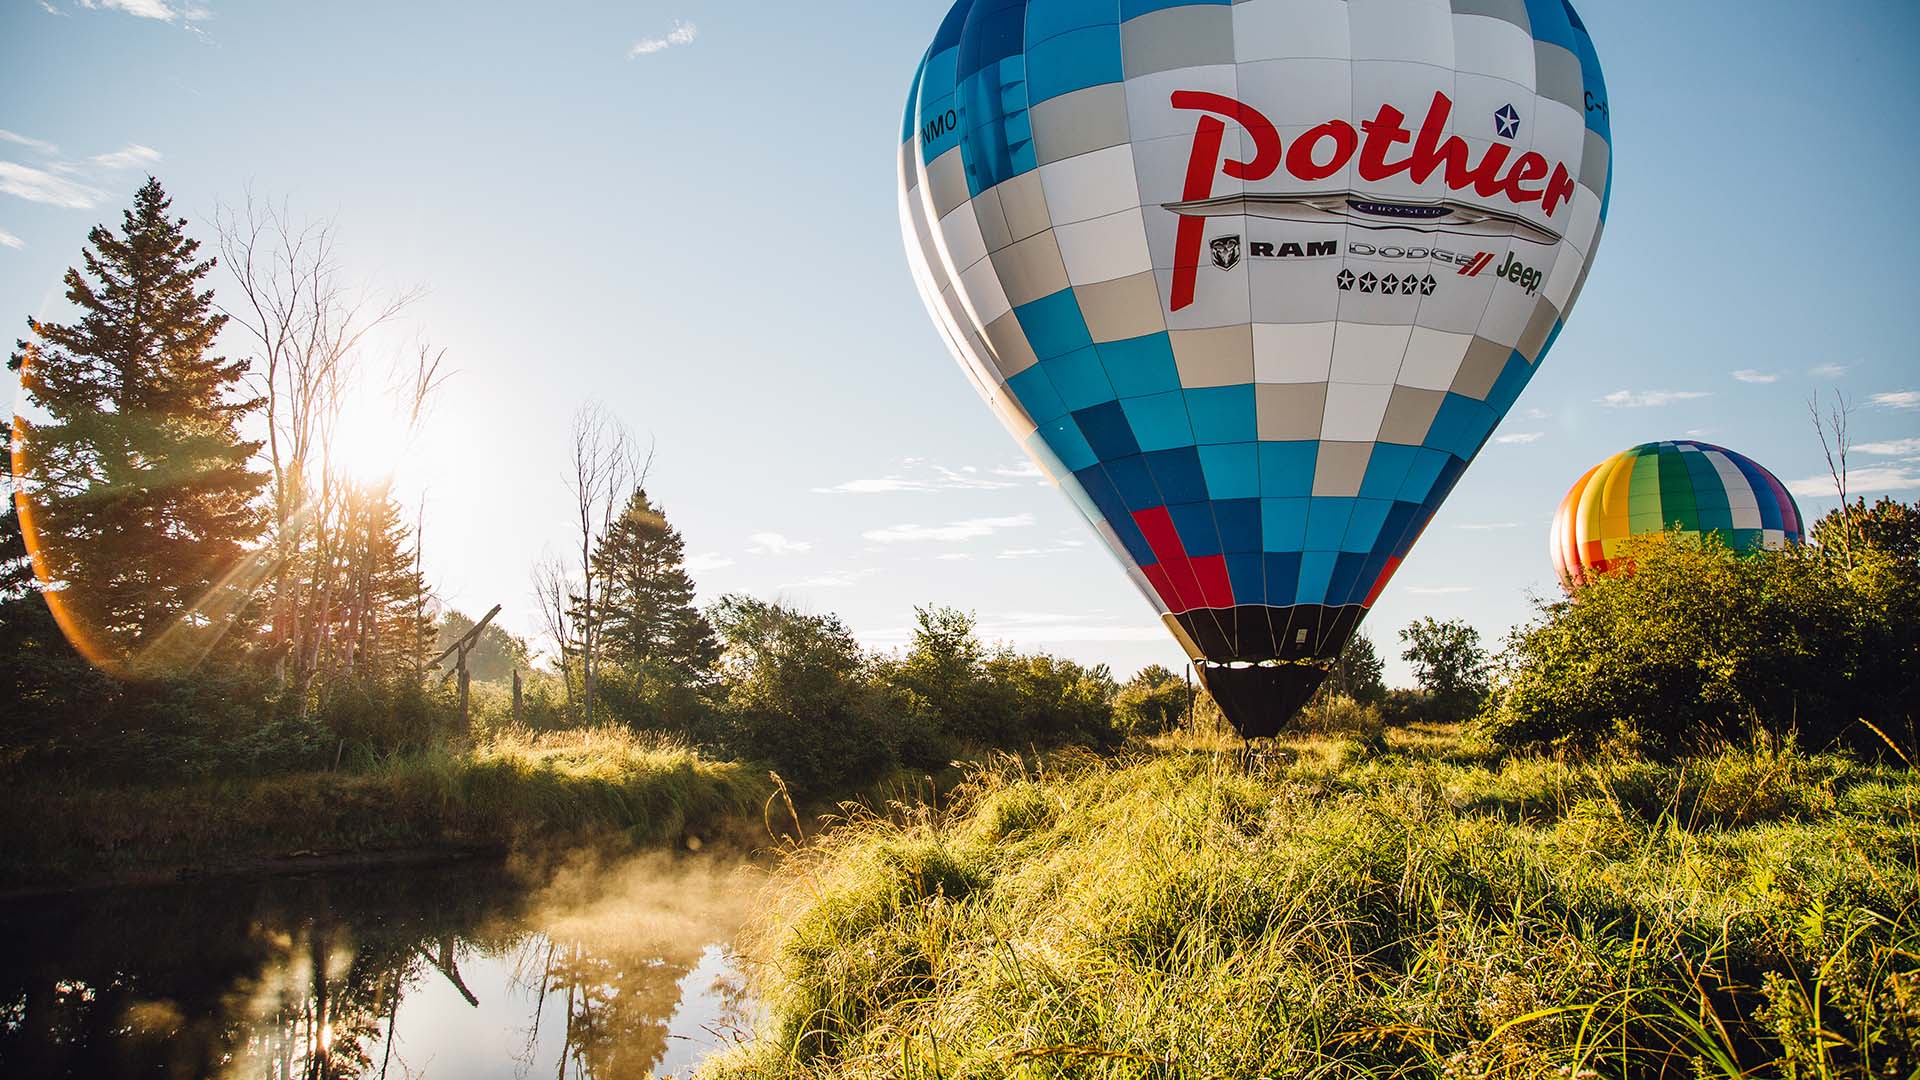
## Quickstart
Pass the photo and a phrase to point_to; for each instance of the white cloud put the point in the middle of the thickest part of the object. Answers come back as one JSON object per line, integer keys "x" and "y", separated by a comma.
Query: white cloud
{"x": 34, "y": 185}
{"x": 1891, "y": 448}
{"x": 28, "y": 141}
{"x": 1520, "y": 438}
{"x": 1438, "y": 590}
{"x": 1539, "y": 414}
{"x": 1642, "y": 399}
{"x": 145, "y": 9}
{"x": 1876, "y": 478}
{"x": 773, "y": 543}
{"x": 1489, "y": 526}
{"x": 133, "y": 155}
{"x": 1025, "y": 470}
{"x": 682, "y": 33}
{"x": 7, "y": 239}
{"x": 1748, "y": 375}
{"x": 1059, "y": 547}
{"x": 1829, "y": 371}
{"x": 1898, "y": 399}
{"x": 921, "y": 476}
{"x": 837, "y": 580}
{"x": 950, "y": 533}
{"x": 700, "y": 564}
{"x": 956, "y": 556}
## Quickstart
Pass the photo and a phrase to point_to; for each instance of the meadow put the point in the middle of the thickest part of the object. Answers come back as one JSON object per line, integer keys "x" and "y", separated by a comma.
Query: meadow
{"x": 1417, "y": 903}
{"x": 513, "y": 791}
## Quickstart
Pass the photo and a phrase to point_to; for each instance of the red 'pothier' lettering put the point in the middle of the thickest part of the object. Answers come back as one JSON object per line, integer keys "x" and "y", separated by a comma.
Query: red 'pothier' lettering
{"x": 1325, "y": 149}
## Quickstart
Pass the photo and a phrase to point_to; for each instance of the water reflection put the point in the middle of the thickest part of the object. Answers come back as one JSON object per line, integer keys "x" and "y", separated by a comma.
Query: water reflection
{"x": 458, "y": 972}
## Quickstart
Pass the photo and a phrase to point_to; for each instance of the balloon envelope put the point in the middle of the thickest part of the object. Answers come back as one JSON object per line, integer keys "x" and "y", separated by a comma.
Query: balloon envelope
{"x": 1255, "y": 281}
{"x": 1695, "y": 486}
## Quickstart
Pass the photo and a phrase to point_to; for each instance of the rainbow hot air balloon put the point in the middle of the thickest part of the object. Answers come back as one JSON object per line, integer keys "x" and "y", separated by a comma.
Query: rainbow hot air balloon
{"x": 1653, "y": 487}
{"x": 1255, "y": 281}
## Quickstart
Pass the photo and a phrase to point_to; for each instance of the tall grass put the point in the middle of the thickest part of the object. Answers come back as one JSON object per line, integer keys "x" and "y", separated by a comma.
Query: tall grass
{"x": 514, "y": 789}
{"x": 1429, "y": 909}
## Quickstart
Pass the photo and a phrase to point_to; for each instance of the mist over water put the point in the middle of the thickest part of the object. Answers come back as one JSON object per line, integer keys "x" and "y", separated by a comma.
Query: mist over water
{"x": 598, "y": 970}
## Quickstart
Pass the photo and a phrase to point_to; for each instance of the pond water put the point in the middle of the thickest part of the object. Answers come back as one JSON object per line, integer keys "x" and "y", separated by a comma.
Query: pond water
{"x": 446, "y": 971}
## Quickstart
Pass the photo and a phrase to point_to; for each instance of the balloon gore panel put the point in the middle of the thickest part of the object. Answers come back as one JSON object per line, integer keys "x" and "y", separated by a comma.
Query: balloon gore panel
{"x": 1254, "y": 282}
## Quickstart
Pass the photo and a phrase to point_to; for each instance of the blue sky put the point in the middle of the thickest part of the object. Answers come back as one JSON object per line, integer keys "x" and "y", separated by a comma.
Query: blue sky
{"x": 686, "y": 211}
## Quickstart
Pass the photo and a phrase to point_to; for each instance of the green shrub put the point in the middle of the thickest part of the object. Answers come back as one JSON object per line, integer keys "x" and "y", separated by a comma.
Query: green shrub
{"x": 1698, "y": 647}
{"x": 1153, "y": 702}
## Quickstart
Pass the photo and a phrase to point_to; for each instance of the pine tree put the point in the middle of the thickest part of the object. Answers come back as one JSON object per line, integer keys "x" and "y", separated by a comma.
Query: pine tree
{"x": 143, "y": 496}
{"x": 647, "y": 612}
{"x": 384, "y": 630}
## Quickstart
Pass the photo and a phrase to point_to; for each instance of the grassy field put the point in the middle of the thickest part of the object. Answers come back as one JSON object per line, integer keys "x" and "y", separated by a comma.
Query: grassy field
{"x": 513, "y": 791}
{"x": 1422, "y": 907}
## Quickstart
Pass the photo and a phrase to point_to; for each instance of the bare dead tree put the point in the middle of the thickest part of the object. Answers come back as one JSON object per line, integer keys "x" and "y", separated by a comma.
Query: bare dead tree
{"x": 1836, "y": 443}
{"x": 307, "y": 325}
{"x": 605, "y": 468}
{"x": 553, "y": 590}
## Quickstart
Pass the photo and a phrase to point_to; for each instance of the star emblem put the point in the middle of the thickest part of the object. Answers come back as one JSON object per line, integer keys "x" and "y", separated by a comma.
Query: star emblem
{"x": 1427, "y": 285}
{"x": 1408, "y": 284}
{"x": 1389, "y": 283}
{"x": 1368, "y": 282}
{"x": 1345, "y": 279}
{"x": 1507, "y": 122}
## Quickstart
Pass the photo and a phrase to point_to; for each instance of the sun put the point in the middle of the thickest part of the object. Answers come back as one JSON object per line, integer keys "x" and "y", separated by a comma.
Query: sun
{"x": 370, "y": 439}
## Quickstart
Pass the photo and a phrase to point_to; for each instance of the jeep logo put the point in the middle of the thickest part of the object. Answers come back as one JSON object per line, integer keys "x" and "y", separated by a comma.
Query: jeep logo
{"x": 1526, "y": 277}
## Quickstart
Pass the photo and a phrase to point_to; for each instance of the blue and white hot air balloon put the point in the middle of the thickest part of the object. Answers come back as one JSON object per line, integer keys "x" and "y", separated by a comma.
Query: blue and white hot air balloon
{"x": 1254, "y": 281}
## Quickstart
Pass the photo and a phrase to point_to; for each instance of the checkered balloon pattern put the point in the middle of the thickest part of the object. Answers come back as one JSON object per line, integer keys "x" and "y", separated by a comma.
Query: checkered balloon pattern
{"x": 1254, "y": 281}
{"x": 1692, "y": 486}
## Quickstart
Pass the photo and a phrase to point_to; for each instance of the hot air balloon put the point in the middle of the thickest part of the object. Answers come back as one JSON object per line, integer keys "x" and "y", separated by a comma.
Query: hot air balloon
{"x": 1698, "y": 487}
{"x": 1254, "y": 281}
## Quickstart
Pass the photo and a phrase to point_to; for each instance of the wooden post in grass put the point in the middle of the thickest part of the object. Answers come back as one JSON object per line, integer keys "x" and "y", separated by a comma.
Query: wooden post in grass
{"x": 459, "y": 650}
{"x": 516, "y": 697}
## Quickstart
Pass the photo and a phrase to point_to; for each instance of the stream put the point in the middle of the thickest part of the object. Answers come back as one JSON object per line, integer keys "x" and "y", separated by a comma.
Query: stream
{"x": 460, "y": 970}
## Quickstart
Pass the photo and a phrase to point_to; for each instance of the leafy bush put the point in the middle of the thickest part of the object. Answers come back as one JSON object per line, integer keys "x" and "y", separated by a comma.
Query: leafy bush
{"x": 1153, "y": 702}
{"x": 795, "y": 696}
{"x": 1340, "y": 715}
{"x": 1698, "y": 646}
{"x": 1450, "y": 666}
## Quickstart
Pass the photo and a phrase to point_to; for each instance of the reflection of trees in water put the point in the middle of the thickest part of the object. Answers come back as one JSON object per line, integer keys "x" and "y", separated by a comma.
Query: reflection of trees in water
{"x": 305, "y": 979}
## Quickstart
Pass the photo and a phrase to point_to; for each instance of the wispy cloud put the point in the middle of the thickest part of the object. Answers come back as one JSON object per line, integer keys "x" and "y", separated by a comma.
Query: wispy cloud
{"x": 1030, "y": 629}
{"x": 1829, "y": 371}
{"x": 28, "y": 141}
{"x": 35, "y": 185}
{"x": 773, "y": 543}
{"x": 132, "y": 156}
{"x": 1489, "y": 526}
{"x": 917, "y": 475}
{"x": 682, "y": 33}
{"x": 1058, "y": 547}
{"x": 1520, "y": 438}
{"x": 1877, "y": 478}
{"x": 950, "y": 533}
{"x": 1891, "y": 448}
{"x": 838, "y": 579}
{"x": 956, "y": 556}
{"x": 700, "y": 564}
{"x": 1538, "y": 414}
{"x": 56, "y": 181}
{"x": 1439, "y": 590}
{"x": 1749, "y": 375}
{"x": 149, "y": 9}
{"x": 1646, "y": 399}
{"x": 1898, "y": 399}
{"x": 7, "y": 239}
